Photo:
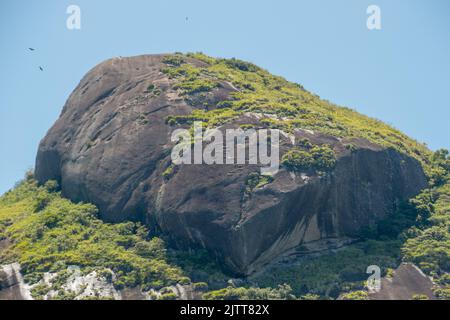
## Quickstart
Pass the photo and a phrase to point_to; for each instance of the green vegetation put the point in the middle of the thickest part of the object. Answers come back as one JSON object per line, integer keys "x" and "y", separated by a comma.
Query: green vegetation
{"x": 330, "y": 274}
{"x": 418, "y": 232}
{"x": 153, "y": 89}
{"x": 49, "y": 233}
{"x": 240, "y": 65}
{"x": 186, "y": 70}
{"x": 213, "y": 117}
{"x": 443, "y": 293}
{"x": 350, "y": 147}
{"x": 196, "y": 86}
{"x": 168, "y": 296}
{"x": 256, "y": 180}
{"x": 169, "y": 172}
{"x": 202, "y": 57}
{"x": 289, "y": 104}
{"x": 428, "y": 244}
{"x": 150, "y": 87}
{"x": 356, "y": 295}
{"x": 142, "y": 119}
{"x": 282, "y": 292}
{"x": 297, "y": 160}
{"x": 321, "y": 158}
{"x": 199, "y": 265}
{"x": 175, "y": 60}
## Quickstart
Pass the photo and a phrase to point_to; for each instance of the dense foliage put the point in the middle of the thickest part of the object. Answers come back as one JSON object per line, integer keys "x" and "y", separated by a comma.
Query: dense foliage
{"x": 256, "y": 180}
{"x": 418, "y": 232}
{"x": 428, "y": 242}
{"x": 282, "y": 292}
{"x": 333, "y": 273}
{"x": 318, "y": 157}
{"x": 49, "y": 233}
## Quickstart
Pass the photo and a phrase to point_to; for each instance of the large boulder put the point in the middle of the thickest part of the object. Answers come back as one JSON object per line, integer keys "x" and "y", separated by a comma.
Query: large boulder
{"x": 111, "y": 146}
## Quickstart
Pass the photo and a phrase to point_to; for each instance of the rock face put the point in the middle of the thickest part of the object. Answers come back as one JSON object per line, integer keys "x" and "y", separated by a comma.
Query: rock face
{"x": 112, "y": 144}
{"x": 12, "y": 285}
{"x": 407, "y": 281}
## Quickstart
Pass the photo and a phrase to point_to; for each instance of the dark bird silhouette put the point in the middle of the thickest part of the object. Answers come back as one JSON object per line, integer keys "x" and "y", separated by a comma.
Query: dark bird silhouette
{"x": 187, "y": 18}
{"x": 40, "y": 68}
{"x": 31, "y": 49}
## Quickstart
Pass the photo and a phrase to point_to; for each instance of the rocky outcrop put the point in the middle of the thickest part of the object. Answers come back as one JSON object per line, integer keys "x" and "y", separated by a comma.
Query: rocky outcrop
{"x": 74, "y": 284}
{"x": 111, "y": 145}
{"x": 12, "y": 285}
{"x": 406, "y": 283}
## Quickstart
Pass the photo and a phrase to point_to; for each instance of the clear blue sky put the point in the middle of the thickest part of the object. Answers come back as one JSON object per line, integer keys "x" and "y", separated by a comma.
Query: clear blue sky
{"x": 400, "y": 74}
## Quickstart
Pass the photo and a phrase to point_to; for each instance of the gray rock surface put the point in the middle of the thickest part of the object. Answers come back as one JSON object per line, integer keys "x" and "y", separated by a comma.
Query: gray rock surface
{"x": 111, "y": 145}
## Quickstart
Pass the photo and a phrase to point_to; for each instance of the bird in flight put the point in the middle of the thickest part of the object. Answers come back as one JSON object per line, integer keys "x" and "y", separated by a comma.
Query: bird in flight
{"x": 31, "y": 49}
{"x": 40, "y": 68}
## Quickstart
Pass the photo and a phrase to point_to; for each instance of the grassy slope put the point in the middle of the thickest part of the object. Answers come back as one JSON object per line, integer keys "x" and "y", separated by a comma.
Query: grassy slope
{"x": 49, "y": 233}
{"x": 262, "y": 92}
